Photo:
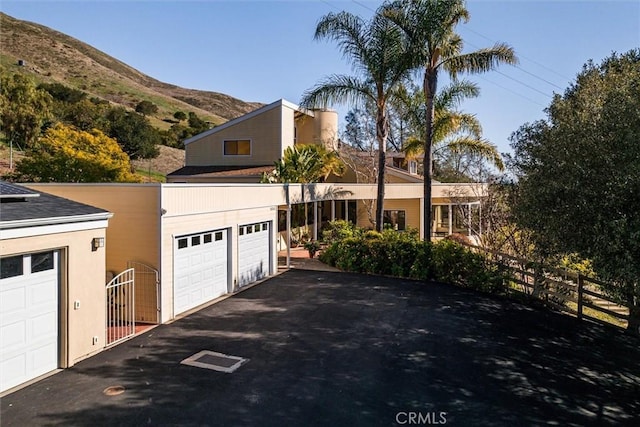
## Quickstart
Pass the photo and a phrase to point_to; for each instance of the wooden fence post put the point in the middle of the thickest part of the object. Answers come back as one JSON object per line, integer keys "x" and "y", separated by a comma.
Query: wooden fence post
{"x": 580, "y": 288}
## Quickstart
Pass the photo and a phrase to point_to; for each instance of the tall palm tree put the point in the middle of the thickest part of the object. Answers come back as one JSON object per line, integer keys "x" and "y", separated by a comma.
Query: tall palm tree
{"x": 429, "y": 27}
{"x": 455, "y": 132}
{"x": 378, "y": 56}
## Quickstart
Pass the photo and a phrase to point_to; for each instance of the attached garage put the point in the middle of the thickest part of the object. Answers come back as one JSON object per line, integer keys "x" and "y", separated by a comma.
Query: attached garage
{"x": 200, "y": 268}
{"x": 29, "y": 337}
{"x": 254, "y": 252}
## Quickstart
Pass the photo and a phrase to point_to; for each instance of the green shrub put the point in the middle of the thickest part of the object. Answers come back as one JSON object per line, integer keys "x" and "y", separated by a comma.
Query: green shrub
{"x": 405, "y": 255}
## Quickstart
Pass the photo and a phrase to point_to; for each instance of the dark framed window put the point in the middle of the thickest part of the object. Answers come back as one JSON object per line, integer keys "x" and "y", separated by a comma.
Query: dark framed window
{"x": 195, "y": 240}
{"x": 11, "y": 267}
{"x": 237, "y": 147}
{"x": 183, "y": 243}
{"x": 206, "y": 238}
{"x": 395, "y": 219}
{"x": 41, "y": 261}
{"x": 218, "y": 236}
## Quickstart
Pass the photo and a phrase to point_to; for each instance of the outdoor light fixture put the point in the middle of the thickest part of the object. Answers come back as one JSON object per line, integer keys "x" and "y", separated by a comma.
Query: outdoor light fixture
{"x": 97, "y": 242}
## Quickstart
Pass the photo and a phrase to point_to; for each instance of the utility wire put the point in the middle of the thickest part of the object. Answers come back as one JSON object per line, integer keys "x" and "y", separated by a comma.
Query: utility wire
{"x": 524, "y": 57}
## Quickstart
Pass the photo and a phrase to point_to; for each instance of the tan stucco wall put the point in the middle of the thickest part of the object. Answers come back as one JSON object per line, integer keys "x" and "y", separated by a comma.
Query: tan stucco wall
{"x": 266, "y": 135}
{"x": 134, "y": 229}
{"x": 82, "y": 279}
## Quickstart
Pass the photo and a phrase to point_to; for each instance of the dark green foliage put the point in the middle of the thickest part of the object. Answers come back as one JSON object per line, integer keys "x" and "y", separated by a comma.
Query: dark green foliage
{"x": 405, "y": 255}
{"x": 146, "y": 108}
{"x": 196, "y": 124}
{"x": 179, "y": 115}
{"x": 579, "y": 175}
{"x": 63, "y": 93}
{"x": 134, "y": 133}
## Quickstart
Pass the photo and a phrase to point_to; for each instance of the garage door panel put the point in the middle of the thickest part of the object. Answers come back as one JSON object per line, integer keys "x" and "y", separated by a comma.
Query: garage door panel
{"x": 29, "y": 322}
{"x": 254, "y": 252}
{"x": 200, "y": 269}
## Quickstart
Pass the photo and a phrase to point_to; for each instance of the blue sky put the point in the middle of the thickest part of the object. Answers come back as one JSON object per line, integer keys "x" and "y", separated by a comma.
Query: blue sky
{"x": 264, "y": 50}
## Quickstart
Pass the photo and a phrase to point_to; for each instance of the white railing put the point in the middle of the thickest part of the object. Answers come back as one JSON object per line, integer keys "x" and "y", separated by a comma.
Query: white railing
{"x": 147, "y": 292}
{"x": 120, "y": 300}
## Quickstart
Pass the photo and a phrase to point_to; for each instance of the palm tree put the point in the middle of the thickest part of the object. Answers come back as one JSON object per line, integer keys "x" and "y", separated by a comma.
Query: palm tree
{"x": 455, "y": 132}
{"x": 429, "y": 28}
{"x": 304, "y": 164}
{"x": 378, "y": 56}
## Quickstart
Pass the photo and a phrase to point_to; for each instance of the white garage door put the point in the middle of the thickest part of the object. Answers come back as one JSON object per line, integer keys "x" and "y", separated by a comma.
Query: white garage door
{"x": 254, "y": 252}
{"x": 200, "y": 269}
{"x": 28, "y": 317}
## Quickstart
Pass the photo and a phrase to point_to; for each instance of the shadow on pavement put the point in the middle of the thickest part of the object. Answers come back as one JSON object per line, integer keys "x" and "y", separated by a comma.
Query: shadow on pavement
{"x": 345, "y": 349}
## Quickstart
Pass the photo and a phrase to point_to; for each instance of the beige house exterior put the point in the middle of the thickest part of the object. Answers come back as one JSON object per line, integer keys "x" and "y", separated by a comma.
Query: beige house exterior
{"x": 52, "y": 298}
{"x": 210, "y": 231}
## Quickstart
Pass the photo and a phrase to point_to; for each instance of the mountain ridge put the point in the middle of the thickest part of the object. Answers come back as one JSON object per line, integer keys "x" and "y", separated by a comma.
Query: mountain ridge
{"x": 52, "y": 56}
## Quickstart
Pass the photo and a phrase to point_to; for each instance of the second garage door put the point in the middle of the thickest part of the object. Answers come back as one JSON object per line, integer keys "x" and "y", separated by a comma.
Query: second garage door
{"x": 254, "y": 252}
{"x": 200, "y": 269}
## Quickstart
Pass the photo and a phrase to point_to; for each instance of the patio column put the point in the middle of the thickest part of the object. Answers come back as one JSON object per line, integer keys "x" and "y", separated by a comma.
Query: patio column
{"x": 422, "y": 230}
{"x": 469, "y": 216}
{"x": 450, "y": 219}
{"x": 333, "y": 210}
{"x": 315, "y": 220}
{"x": 288, "y": 236}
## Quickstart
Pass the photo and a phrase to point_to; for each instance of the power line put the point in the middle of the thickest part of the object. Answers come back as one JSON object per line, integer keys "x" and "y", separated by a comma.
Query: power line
{"x": 512, "y": 91}
{"x": 524, "y": 57}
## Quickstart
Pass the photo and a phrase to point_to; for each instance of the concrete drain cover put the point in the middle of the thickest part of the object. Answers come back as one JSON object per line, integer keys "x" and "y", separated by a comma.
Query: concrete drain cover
{"x": 216, "y": 361}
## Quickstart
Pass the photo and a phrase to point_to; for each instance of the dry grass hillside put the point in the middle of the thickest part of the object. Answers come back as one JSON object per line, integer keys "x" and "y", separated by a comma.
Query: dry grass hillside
{"x": 51, "y": 56}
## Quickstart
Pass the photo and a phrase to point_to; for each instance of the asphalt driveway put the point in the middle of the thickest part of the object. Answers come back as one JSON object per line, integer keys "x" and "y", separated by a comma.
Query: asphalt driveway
{"x": 336, "y": 349}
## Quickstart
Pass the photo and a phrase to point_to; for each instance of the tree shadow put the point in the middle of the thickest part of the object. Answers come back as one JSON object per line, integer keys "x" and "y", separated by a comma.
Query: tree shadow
{"x": 348, "y": 349}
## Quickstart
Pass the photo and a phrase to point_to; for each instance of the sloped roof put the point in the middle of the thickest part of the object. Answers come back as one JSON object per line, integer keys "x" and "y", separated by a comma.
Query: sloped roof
{"x": 221, "y": 171}
{"x": 276, "y": 104}
{"x": 21, "y": 204}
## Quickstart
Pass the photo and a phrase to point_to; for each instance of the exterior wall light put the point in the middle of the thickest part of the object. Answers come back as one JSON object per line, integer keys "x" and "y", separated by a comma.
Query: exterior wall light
{"x": 97, "y": 242}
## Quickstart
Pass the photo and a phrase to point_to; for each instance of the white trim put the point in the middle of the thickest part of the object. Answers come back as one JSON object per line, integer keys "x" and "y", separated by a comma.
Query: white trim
{"x": 403, "y": 174}
{"x": 35, "y": 222}
{"x": 15, "y": 233}
{"x": 254, "y": 113}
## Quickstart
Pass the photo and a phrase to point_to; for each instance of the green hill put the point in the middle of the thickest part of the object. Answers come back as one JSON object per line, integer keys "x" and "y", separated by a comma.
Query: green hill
{"x": 50, "y": 56}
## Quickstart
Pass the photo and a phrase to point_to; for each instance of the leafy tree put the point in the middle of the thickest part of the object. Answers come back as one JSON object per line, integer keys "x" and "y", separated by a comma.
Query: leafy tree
{"x": 579, "y": 175}
{"x": 358, "y": 132}
{"x": 377, "y": 53}
{"x": 179, "y": 115}
{"x": 146, "y": 108}
{"x": 134, "y": 133}
{"x": 429, "y": 27}
{"x": 24, "y": 109}
{"x": 196, "y": 124}
{"x": 83, "y": 114}
{"x": 65, "y": 154}
{"x": 63, "y": 93}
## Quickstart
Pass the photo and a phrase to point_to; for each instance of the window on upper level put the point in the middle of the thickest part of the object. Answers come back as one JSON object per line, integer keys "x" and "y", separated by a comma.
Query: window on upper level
{"x": 237, "y": 147}
{"x": 413, "y": 167}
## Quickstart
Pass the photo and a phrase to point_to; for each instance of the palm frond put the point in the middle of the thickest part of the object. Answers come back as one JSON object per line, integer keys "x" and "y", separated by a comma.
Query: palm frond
{"x": 481, "y": 60}
{"x": 337, "y": 89}
{"x": 479, "y": 147}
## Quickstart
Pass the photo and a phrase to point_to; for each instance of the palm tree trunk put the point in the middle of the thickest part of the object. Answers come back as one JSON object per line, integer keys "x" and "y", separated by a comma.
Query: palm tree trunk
{"x": 430, "y": 85}
{"x": 381, "y": 133}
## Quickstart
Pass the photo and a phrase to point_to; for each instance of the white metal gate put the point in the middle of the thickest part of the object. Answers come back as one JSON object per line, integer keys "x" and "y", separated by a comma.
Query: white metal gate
{"x": 121, "y": 322}
{"x": 147, "y": 292}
